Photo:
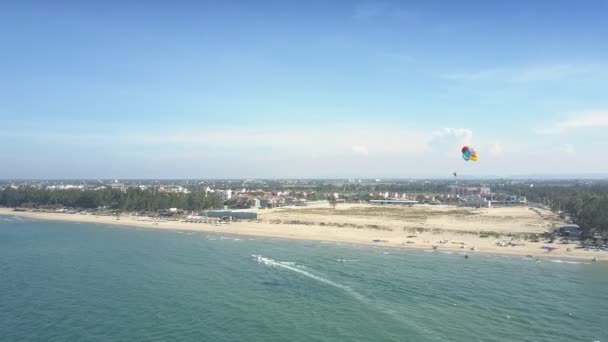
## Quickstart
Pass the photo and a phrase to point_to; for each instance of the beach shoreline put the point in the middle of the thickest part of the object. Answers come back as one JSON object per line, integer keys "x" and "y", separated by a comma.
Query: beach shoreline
{"x": 453, "y": 241}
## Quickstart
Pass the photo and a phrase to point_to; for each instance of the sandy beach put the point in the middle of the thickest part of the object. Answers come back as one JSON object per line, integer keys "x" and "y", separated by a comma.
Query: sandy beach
{"x": 451, "y": 229}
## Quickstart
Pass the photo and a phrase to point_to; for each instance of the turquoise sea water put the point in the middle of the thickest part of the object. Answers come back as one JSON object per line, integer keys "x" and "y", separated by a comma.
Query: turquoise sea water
{"x": 82, "y": 282}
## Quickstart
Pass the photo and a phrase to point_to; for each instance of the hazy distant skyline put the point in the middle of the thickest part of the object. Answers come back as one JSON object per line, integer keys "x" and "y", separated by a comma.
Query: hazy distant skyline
{"x": 313, "y": 89}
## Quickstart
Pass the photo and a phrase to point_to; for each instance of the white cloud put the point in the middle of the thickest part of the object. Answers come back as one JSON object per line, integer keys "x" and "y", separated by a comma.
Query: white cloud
{"x": 360, "y": 150}
{"x": 328, "y": 140}
{"x": 447, "y": 142}
{"x": 463, "y": 135}
{"x": 592, "y": 119}
{"x": 567, "y": 149}
{"x": 537, "y": 73}
{"x": 329, "y": 150}
{"x": 496, "y": 150}
{"x": 315, "y": 150}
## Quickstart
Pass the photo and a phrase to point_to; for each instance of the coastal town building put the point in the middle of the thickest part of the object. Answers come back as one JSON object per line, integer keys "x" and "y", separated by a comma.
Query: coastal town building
{"x": 393, "y": 202}
{"x": 477, "y": 202}
{"x": 231, "y": 214}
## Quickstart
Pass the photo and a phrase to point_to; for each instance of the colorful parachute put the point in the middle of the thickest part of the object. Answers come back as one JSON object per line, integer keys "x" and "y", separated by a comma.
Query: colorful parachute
{"x": 468, "y": 153}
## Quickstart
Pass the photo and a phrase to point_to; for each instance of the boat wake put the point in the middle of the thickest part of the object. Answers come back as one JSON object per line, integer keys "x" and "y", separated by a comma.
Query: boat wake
{"x": 558, "y": 261}
{"x": 291, "y": 266}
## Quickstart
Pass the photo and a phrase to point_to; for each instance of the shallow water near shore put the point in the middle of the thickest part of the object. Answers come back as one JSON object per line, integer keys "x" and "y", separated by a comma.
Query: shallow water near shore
{"x": 84, "y": 282}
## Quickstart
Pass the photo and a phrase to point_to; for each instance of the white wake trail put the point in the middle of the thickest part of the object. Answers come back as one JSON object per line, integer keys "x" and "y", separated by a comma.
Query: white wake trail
{"x": 288, "y": 266}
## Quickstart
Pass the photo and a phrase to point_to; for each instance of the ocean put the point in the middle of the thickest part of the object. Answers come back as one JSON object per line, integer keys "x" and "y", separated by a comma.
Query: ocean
{"x": 83, "y": 282}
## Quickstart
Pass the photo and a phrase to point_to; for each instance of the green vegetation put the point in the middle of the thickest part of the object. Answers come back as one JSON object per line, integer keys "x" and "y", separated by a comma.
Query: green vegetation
{"x": 586, "y": 205}
{"x": 332, "y": 201}
{"x": 332, "y": 224}
{"x": 239, "y": 203}
{"x": 486, "y": 234}
{"x": 132, "y": 199}
{"x": 405, "y": 213}
{"x": 314, "y": 196}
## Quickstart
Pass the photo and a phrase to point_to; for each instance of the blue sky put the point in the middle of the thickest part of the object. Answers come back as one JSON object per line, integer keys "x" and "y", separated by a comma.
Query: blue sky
{"x": 302, "y": 89}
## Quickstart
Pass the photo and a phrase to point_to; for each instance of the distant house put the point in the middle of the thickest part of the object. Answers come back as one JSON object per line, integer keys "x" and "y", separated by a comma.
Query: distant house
{"x": 265, "y": 203}
{"x": 515, "y": 200}
{"x": 117, "y": 186}
{"x": 171, "y": 212}
{"x": 310, "y": 203}
{"x": 470, "y": 190}
{"x": 232, "y": 214}
{"x": 477, "y": 202}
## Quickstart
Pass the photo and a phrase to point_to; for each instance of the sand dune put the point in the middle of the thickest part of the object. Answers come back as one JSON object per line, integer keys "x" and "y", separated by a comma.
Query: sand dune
{"x": 510, "y": 220}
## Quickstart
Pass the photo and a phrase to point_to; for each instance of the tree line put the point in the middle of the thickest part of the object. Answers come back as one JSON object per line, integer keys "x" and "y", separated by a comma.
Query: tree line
{"x": 587, "y": 205}
{"x": 130, "y": 200}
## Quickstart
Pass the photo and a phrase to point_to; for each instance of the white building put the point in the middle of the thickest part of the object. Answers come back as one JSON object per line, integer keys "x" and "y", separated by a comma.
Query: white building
{"x": 477, "y": 202}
